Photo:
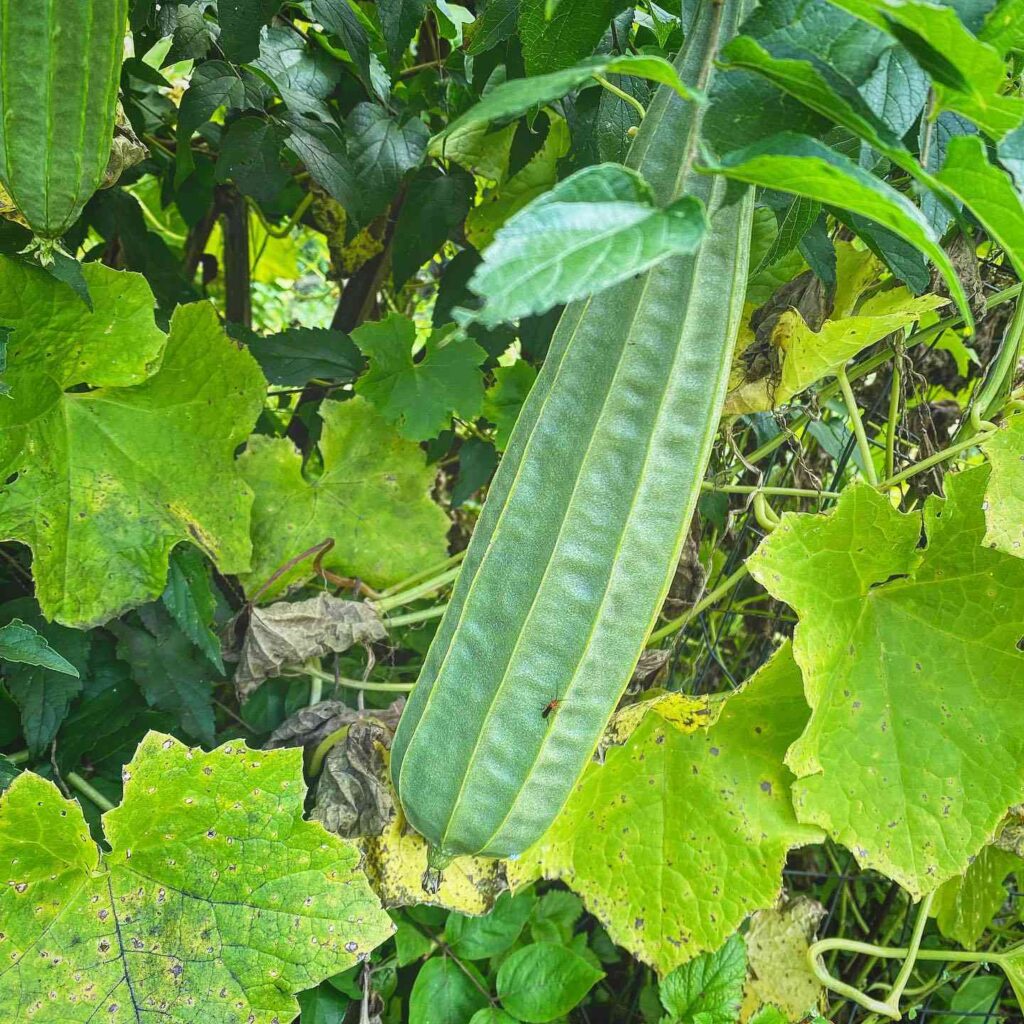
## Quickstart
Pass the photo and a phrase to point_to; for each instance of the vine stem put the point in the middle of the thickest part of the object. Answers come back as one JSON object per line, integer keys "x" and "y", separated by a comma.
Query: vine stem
{"x": 385, "y": 604}
{"x": 934, "y": 460}
{"x": 891, "y": 426}
{"x": 356, "y": 684}
{"x": 781, "y": 492}
{"x": 705, "y": 602}
{"x": 623, "y": 95}
{"x": 83, "y": 787}
{"x": 858, "y": 425}
{"x": 889, "y": 1008}
{"x": 420, "y": 615}
{"x": 423, "y": 574}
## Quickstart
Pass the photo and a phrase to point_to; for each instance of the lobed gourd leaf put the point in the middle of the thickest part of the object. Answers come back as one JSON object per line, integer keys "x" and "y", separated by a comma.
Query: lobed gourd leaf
{"x": 909, "y": 656}
{"x": 216, "y": 901}
{"x": 708, "y": 804}
{"x": 102, "y": 483}
{"x": 373, "y": 499}
{"x": 1004, "y": 496}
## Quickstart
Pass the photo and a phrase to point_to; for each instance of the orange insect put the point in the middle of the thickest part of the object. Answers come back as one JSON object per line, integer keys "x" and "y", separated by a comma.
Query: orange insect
{"x": 553, "y": 705}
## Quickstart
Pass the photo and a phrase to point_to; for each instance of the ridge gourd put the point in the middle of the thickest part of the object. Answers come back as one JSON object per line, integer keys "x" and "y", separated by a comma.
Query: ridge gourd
{"x": 585, "y": 519}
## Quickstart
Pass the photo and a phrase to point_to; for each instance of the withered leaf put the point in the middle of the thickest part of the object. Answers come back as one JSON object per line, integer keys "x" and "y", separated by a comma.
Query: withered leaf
{"x": 352, "y": 794}
{"x": 290, "y": 633}
{"x": 310, "y": 726}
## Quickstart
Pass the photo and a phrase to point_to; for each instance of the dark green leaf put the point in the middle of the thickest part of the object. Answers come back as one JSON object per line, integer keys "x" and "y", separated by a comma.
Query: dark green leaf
{"x": 804, "y": 166}
{"x": 519, "y": 95}
{"x": 435, "y": 205}
{"x": 555, "y": 915}
{"x": 381, "y": 151}
{"x": 493, "y": 25}
{"x": 240, "y": 24}
{"x": 338, "y": 17}
{"x": 411, "y": 942}
{"x": 250, "y": 156}
{"x": 794, "y": 222}
{"x": 21, "y": 643}
{"x": 301, "y": 354}
{"x": 444, "y": 994}
{"x": 969, "y": 74}
{"x": 479, "y": 938}
{"x": 543, "y": 981}
{"x": 213, "y": 84}
{"x": 598, "y": 227}
{"x": 399, "y": 20}
{"x": 897, "y": 90}
{"x": 933, "y": 141}
{"x": 570, "y": 34}
{"x": 419, "y": 397}
{"x": 905, "y": 261}
{"x": 191, "y": 600}
{"x": 303, "y": 76}
{"x": 707, "y": 990}
{"x": 477, "y": 463}
{"x": 194, "y": 34}
{"x": 323, "y": 1005}
{"x": 43, "y": 695}
{"x": 8, "y": 772}
{"x": 816, "y": 247}
{"x": 169, "y": 671}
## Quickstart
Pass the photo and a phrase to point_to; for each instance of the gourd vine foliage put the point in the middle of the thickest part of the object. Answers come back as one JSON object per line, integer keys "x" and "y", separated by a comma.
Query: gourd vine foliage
{"x": 605, "y": 421}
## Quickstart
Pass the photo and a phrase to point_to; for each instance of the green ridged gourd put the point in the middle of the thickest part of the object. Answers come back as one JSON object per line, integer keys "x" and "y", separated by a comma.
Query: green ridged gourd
{"x": 60, "y": 65}
{"x": 584, "y": 523}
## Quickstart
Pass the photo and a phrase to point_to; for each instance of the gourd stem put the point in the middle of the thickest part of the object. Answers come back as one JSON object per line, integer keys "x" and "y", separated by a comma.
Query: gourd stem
{"x": 356, "y": 684}
{"x": 623, "y": 95}
{"x": 705, "y": 602}
{"x": 383, "y": 605}
{"x": 420, "y": 615}
{"x": 780, "y": 492}
{"x": 423, "y": 574}
{"x": 987, "y": 401}
{"x": 93, "y": 794}
{"x": 892, "y": 425}
{"x": 934, "y": 460}
{"x": 863, "y": 446}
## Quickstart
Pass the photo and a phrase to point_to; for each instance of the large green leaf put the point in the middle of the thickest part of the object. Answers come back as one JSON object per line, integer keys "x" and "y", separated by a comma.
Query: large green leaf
{"x": 517, "y": 96}
{"x": 909, "y": 656}
{"x": 373, "y": 499}
{"x": 596, "y": 228}
{"x": 444, "y": 993}
{"x": 103, "y": 483}
{"x": 969, "y": 75}
{"x": 419, "y": 397}
{"x": 683, "y": 814}
{"x": 212, "y": 886}
{"x": 987, "y": 190}
{"x": 807, "y": 167}
{"x": 1004, "y": 498}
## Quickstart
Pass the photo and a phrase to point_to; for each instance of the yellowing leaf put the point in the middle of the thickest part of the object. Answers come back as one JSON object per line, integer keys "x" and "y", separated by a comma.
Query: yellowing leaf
{"x": 964, "y": 907}
{"x": 909, "y": 661}
{"x": 498, "y": 204}
{"x": 373, "y": 499}
{"x": 395, "y": 862}
{"x": 103, "y": 483}
{"x": 804, "y": 356}
{"x": 680, "y": 834}
{"x": 216, "y": 898}
{"x": 1004, "y": 497}
{"x": 778, "y": 973}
